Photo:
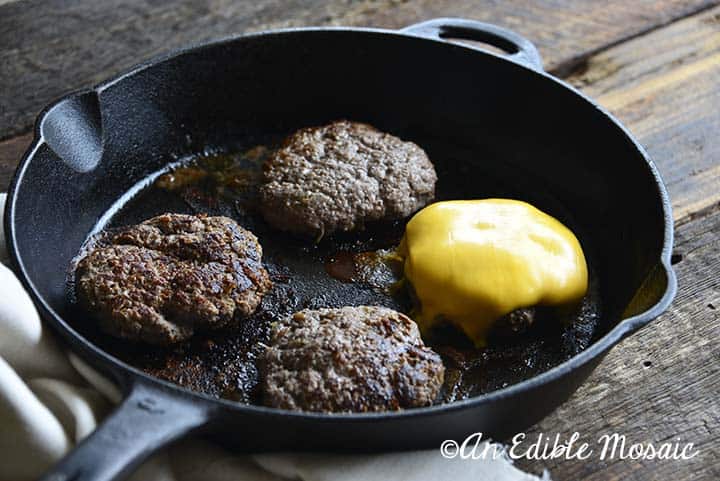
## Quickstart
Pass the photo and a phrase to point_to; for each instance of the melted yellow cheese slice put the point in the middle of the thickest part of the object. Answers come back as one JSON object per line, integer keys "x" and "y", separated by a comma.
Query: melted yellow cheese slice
{"x": 471, "y": 262}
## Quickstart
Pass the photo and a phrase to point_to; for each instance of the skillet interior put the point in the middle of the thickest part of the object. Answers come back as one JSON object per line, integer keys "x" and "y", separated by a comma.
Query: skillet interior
{"x": 223, "y": 364}
{"x": 512, "y": 123}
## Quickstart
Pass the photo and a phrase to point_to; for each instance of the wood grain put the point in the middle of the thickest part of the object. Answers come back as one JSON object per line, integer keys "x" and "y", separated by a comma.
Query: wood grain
{"x": 665, "y": 86}
{"x": 659, "y": 385}
{"x": 11, "y": 151}
{"x": 50, "y": 47}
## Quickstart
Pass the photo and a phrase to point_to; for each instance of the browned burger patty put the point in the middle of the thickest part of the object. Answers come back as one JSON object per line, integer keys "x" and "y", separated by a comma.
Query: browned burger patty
{"x": 339, "y": 176}
{"x": 163, "y": 279}
{"x": 352, "y": 359}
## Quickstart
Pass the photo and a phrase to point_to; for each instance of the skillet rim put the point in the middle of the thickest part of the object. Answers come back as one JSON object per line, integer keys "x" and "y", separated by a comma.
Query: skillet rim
{"x": 126, "y": 375}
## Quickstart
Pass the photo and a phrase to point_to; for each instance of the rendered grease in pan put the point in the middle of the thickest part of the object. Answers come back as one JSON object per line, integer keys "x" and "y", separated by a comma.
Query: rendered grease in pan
{"x": 347, "y": 269}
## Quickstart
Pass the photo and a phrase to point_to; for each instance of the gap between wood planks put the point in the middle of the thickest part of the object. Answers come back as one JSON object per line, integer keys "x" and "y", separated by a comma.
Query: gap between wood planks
{"x": 579, "y": 63}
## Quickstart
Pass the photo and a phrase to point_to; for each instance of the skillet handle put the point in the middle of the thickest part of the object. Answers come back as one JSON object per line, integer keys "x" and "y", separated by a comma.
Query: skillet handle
{"x": 520, "y": 49}
{"x": 145, "y": 421}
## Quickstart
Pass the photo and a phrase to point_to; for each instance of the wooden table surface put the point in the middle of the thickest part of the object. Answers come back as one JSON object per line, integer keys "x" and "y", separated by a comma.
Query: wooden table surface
{"x": 654, "y": 64}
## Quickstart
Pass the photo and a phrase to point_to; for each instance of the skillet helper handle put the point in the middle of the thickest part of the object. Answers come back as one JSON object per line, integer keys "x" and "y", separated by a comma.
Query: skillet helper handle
{"x": 145, "y": 421}
{"x": 519, "y": 48}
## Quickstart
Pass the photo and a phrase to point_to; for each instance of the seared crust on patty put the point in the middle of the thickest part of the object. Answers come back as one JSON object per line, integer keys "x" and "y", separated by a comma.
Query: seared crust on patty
{"x": 351, "y": 359}
{"x": 339, "y": 176}
{"x": 163, "y": 279}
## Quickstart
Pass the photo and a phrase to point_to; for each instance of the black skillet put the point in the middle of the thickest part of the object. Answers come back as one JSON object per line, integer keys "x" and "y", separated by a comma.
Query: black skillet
{"x": 494, "y": 126}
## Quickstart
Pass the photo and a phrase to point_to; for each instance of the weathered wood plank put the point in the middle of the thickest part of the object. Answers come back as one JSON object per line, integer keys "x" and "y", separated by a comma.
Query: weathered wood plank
{"x": 11, "y": 151}
{"x": 50, "y": 47}
{"x": 665, "y": 86}
{"x": 659, "y": 385}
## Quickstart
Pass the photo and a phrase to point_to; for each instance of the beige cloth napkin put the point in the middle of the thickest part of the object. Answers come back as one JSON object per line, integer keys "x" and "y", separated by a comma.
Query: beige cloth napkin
{"x": 50, "y": 400}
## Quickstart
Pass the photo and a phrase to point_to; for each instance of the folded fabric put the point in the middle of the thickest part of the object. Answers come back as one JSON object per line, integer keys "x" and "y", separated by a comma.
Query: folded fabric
{"x": 50, "y": 400}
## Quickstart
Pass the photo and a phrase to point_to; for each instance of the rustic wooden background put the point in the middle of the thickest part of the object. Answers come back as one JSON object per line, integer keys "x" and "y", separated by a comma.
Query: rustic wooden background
{"x": 654, "y": 64}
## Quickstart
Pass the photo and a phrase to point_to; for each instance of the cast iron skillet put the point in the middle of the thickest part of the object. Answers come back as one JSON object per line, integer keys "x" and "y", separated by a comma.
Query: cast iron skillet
{"x": 512, "y": 124}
